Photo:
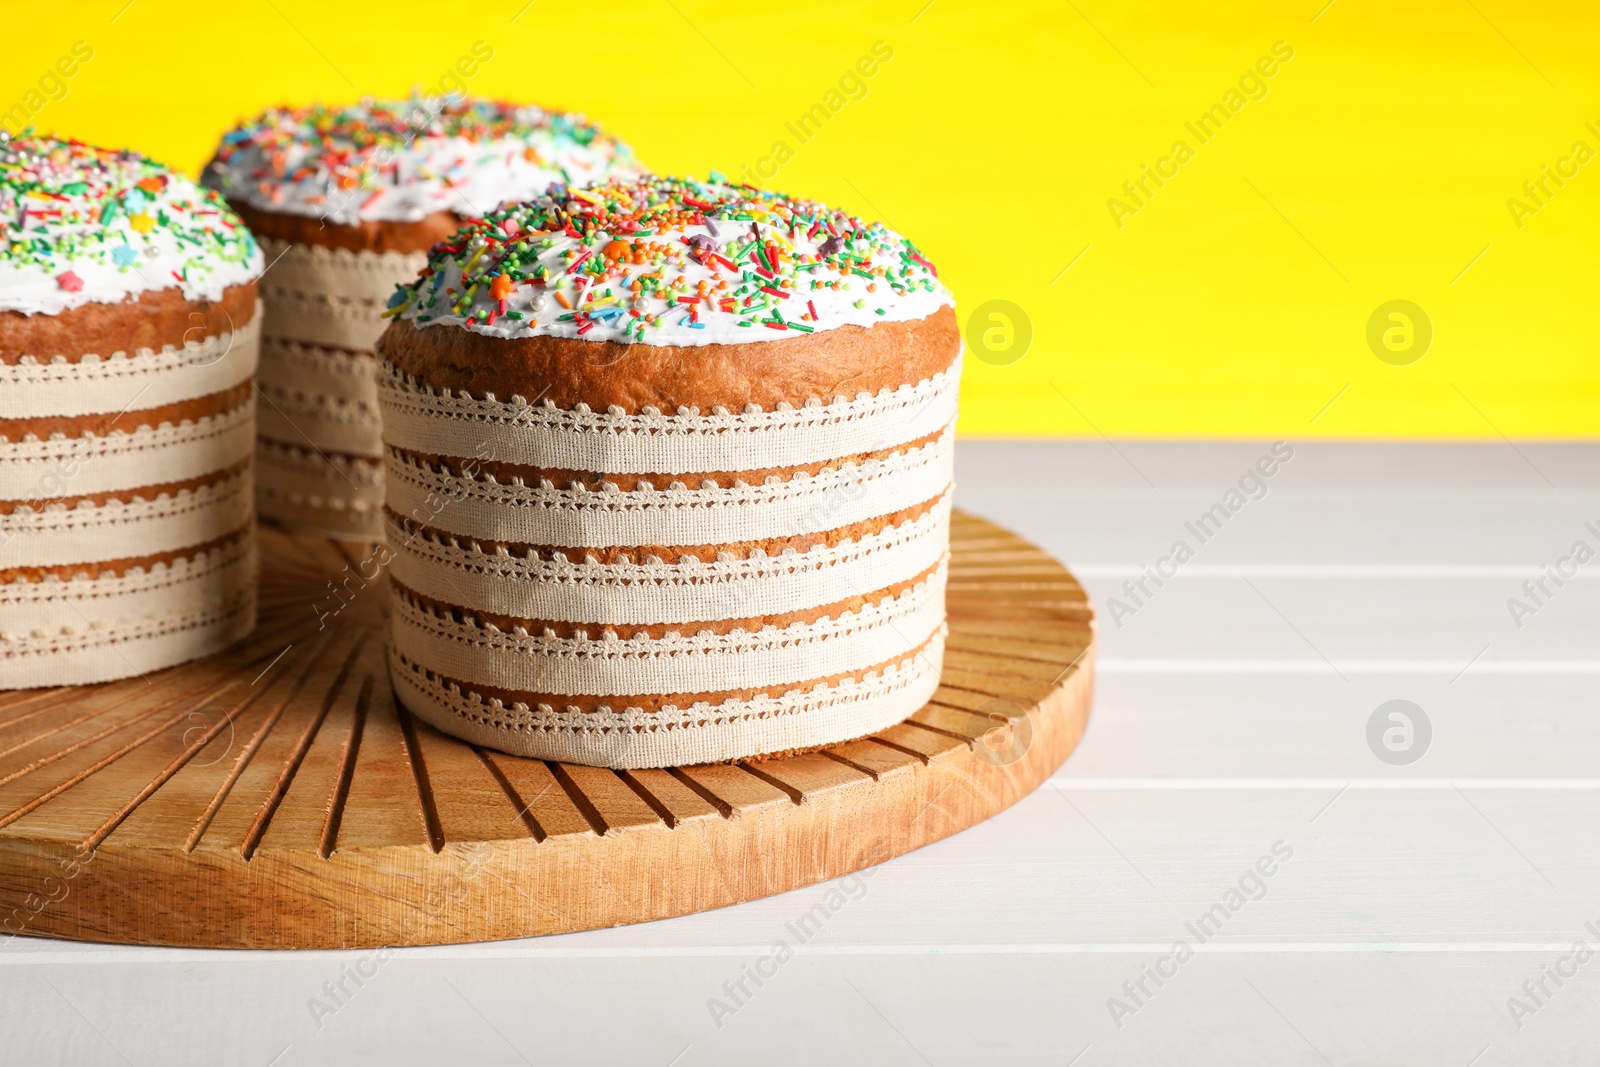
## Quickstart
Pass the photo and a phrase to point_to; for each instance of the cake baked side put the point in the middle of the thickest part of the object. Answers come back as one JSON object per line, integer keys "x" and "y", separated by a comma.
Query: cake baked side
{"x": 669, "y": 475}
{"x": 345, "y": 202}
{"x": 128, "y": 341}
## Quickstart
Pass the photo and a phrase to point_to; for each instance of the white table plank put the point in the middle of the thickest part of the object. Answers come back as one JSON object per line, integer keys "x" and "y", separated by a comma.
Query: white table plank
{"x": 1485, "y": 726}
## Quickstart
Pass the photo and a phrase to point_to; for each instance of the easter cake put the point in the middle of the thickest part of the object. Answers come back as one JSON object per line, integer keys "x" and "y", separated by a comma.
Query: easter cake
{"x": 346, "y": 201}
{"x": 669, "y": 470}
{"x": 128, "y": 341}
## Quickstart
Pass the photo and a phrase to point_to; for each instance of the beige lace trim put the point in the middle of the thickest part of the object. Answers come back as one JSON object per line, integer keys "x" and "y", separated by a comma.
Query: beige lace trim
{"x": 420, "y": 419}
{"x": 94, "y": 385}
{"x": 702, "y": 733}
{"x": 463, "y": 646}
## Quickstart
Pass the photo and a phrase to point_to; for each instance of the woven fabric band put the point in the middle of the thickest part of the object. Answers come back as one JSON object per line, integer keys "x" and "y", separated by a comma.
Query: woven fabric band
{"x": 78, "y": 466}
{"x": 117, "y": 382}
{"x": 329, "y": 296}
{"x": 475, "y": 652}
{"x": 332, "y": 424}
{"x": 319, "y": 397}
{"x": 582, "y": 518}
{"x": 334, "y": 372}
{"x": 330, "y": 495}
{"x": 419, "y": 419}
{"x": 701, "y": 733}
{"x": 643, "y": 593}
{"x": 83, "y": 630}
{"x": 54, "y": 535}
{"x": 94, "y": 630}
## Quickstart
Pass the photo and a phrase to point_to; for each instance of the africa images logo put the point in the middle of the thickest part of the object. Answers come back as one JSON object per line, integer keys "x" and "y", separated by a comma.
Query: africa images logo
{"x": 1252, "y": 85}
{"x": 1251, "y": 487}
{"x": 1252, "y": 885}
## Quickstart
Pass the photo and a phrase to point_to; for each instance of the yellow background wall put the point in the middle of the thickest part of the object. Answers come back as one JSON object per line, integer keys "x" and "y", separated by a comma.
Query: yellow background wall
{"x": 1235, "y": 301}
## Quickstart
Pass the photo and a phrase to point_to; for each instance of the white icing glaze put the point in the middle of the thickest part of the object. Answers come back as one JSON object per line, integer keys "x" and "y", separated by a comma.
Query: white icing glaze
{"x": 564, "y": 266}
{"x": 80, "y": 225}
{"x": 401, "y": 161}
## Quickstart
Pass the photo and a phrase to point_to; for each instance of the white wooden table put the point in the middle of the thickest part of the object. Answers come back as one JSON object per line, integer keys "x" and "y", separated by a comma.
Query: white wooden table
{"x": 1232, "y": 717}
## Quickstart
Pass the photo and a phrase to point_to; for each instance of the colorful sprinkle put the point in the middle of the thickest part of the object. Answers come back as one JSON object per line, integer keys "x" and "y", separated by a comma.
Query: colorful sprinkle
{"x": 618, "y": 256}
{"x": 405, "y": 159}
{"x": 84, "y": 217}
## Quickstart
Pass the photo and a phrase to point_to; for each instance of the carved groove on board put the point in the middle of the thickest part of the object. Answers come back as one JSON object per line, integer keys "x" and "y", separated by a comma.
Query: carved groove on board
{"x": 63, "y": 724}
{"x": 651, "y": 801}
{"x": 22, "y": 698}
{"x": 868, "y": 771}
{"x": 347, "y": 769}
{"x": 939, "y": 729}
{"x": 579, "y": 798}
{"x": 46, "y": 708}
{"x": 83, "y": 775}
{"x": 794, "y": 794}
{"x": 242, "y": 761}
{"x": 269, "y": 806}
{"x": 524, "y": 807}
{"x": 724, "y": 808}
{"x": 173, "y": 767}
{"x": 247, "y": 755}
{"x": 419, "y": 776}
{"x": 920, "y": 757}
{"x": 68, "y": 750}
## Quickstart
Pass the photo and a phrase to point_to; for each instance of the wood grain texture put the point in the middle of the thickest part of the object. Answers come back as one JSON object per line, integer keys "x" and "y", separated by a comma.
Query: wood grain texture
{"x": 276, "y": 795}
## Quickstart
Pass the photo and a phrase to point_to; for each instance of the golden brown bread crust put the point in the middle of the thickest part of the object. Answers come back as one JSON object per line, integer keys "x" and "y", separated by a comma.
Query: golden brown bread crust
{"x": 627, "y": 483}
{"x": 115, "y": 568}
{"x": 127, "y": 421}
{"x": 154, "y": 320}
{"x": 772, "y": 546}
{"x": 370, "y": 235}
{"x": 749, "y": 624}
{"x": 128, "y": 496}
{"x": 655, "y": 702}
{"x": 567, "y": 371}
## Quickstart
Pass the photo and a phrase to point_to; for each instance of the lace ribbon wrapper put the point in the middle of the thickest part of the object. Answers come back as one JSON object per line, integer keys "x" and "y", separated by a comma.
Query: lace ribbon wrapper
{"x": 320, "y": 462}
{"x": 128, "y": 545}
{"x": 655, "y": 627}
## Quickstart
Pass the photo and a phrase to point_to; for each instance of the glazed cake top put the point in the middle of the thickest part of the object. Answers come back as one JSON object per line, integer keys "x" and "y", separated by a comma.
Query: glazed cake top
{"x": 84, "y": 225}
{"x": 403, "y": 160}
{"x": 667, "y": 261}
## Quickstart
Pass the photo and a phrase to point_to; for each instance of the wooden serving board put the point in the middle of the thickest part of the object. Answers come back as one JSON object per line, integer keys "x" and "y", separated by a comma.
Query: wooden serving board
{"x": 275, "y": 796}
